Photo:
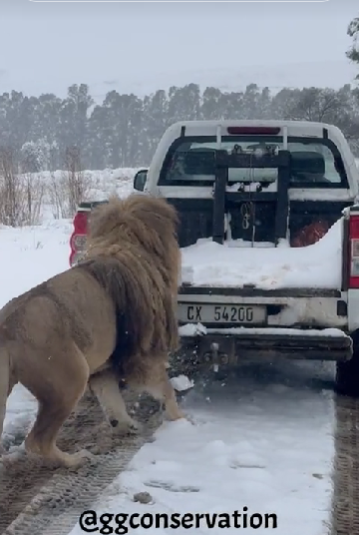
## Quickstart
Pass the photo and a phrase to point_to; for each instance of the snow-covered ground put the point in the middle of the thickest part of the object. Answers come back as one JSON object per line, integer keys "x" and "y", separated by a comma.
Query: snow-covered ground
{"x": 53, "y": 188}
{"x": 30, "y": 255}
{"x": 263, "y": 440}
{"x": 101, "y": 183}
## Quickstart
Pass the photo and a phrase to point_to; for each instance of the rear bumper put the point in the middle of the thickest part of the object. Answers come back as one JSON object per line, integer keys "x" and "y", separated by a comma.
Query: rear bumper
{"x": 292, "y": 307}
{"x": 295, "y": 326}
{"x": 230, "y": 348}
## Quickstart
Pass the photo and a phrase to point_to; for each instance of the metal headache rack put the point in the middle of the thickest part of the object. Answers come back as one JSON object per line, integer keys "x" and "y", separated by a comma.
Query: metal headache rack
{"x": 222, "y": 198}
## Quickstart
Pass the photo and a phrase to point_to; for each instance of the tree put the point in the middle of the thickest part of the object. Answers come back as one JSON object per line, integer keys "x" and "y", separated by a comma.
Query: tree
{"x": 124, "y": 130}
{"x": 353, "y": 32}
{"x": 316, "y": 104}
{"x": 155, "y": 112}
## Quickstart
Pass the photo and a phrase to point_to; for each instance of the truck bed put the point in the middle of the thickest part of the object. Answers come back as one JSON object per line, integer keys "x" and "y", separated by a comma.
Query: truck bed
{"x": 236, "y": 264}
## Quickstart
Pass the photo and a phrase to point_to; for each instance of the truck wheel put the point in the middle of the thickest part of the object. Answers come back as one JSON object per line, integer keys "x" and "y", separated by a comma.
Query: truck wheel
{"x": 347, "y": 373}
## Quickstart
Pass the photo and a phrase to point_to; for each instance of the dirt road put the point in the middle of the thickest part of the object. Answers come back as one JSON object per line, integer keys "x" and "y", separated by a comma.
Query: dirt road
{"x": 34, "y": 499}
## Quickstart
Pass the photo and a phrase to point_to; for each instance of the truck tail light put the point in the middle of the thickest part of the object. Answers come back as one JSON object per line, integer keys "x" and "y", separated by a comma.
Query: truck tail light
{"x": 80, "y": 223}
{"x": 78, "y": 237}
{"x": 354, "y": 251}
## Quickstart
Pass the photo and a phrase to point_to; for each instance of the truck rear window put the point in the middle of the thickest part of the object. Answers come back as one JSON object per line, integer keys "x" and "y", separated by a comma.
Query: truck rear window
{"x": 191, "y": 161}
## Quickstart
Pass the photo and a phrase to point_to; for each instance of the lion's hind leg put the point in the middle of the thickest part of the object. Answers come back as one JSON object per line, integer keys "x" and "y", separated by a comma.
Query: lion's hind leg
{"x": 4, "y": 388}
{"x": 62, "y": 384}
{"x": 106, "y": 388}
{"x": 8, "y": 380}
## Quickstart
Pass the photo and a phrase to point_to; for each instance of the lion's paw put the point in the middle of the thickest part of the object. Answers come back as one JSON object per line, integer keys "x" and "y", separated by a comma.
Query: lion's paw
{"x": 78, "y": 459}
{"x": 126, "y": 427}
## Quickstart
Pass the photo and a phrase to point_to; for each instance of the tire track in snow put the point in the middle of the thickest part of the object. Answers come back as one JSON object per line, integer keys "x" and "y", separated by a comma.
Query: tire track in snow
{"x": 345, "y": 501}
{"x": 36, "y": 499}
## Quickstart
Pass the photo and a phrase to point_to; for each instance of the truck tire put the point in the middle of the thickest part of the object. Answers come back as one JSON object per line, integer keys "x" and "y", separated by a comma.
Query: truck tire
{"x": 347, "y": 373}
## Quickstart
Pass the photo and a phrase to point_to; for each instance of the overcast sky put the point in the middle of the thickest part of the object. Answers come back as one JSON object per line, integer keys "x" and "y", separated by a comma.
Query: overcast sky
{"x": 138, "y": 47}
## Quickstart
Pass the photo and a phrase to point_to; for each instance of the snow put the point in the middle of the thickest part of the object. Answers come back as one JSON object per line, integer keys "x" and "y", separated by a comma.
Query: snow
{"x": 53, "y": 187}
{"x": 237, "y": 264}
{"x": 181, "y": 382}
{"x": 261, "y": 444}
{"x": 101, "y": 183}
{"x": 195, "y": 329}
{"x": 30, "y": 255}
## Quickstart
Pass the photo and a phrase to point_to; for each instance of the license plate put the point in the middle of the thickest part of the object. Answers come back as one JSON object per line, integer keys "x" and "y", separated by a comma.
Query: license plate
{"x": 235, "y": 314}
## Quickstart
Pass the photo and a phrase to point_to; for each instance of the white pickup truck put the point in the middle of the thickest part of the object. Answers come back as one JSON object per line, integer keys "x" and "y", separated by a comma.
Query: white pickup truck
{"x": 270, "y": 241}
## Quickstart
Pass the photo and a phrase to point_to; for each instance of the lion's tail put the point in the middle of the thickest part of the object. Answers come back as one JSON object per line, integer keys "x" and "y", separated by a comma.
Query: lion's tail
{"x": 4, "y": 381}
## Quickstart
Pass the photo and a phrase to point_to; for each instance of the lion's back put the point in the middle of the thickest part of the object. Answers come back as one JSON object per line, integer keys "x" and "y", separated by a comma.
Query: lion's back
{"x": 69, "y": 307}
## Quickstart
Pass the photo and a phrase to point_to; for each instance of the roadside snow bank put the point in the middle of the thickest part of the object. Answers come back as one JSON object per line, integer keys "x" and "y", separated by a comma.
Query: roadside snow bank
{"x": 236, "y": 264}
{"x": 30, "y": 255}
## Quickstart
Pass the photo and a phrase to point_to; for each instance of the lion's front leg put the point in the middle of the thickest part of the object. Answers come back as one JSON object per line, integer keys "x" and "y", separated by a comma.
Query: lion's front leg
{"x": 105, "y": 387}
{"x": 155, "y": 381}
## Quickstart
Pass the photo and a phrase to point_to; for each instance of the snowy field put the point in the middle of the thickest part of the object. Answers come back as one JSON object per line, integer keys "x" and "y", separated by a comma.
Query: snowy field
{"x": 101, "y": 184}
{"x": 261, "y": 440}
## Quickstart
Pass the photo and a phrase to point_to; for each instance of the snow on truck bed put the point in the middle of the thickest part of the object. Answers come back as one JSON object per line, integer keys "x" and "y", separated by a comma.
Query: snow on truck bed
{"x": 237, "y": 264}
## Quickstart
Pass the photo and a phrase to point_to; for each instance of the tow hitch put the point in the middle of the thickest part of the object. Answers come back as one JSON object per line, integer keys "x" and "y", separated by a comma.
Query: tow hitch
{"x": 218, "y": 353}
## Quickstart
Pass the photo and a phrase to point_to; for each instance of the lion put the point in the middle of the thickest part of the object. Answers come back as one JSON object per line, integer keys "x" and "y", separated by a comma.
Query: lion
{"x": 110, "y": 318}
